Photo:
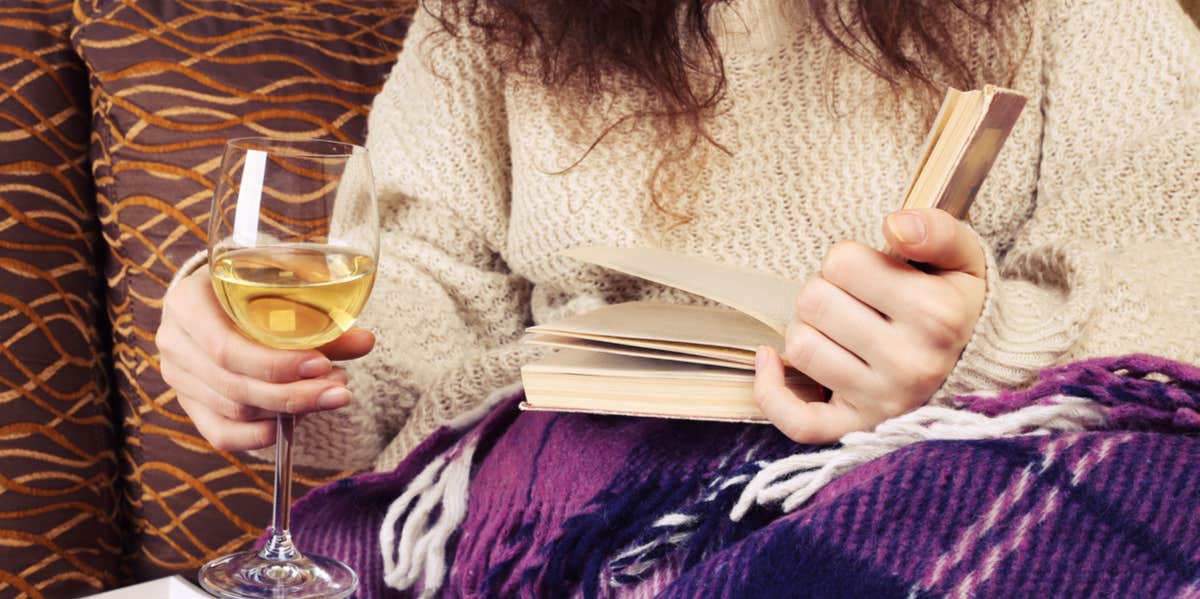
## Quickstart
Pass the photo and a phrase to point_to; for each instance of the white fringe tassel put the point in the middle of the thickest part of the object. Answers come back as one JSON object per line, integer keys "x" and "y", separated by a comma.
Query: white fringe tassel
{"x": 419, "y": 553}
{"x": 791, "y": 481}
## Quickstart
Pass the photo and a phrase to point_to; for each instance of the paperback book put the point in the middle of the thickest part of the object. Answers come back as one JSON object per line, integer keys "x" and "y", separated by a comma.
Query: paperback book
{"x": 697, "y": 362}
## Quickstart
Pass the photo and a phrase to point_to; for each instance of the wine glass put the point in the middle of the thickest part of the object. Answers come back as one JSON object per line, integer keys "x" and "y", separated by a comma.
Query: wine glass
{"x": 293, "y": 239}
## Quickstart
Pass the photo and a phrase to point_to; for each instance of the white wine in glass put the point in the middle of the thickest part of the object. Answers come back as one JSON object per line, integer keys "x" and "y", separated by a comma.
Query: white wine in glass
{"x": 293, "y": 297}
{"x": 293, "y": 240}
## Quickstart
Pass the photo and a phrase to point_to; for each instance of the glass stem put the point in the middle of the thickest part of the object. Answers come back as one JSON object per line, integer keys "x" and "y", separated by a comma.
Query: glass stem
{"x": 279, "y": 546}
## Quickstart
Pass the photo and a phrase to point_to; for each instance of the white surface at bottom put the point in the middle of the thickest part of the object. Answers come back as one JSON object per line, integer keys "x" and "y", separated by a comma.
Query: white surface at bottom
{"x": 174, "y": 587}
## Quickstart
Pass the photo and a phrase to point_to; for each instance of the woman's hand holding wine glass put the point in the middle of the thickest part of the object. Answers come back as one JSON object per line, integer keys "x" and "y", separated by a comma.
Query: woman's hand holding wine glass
{"x": 293, "y": 240}
{"x": 232, "y": 387}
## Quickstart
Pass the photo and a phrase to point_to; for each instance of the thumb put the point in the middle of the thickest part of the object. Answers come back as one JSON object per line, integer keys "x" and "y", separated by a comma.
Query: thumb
{"x": 933, "y": 237}
{"x": 354, "y": 343}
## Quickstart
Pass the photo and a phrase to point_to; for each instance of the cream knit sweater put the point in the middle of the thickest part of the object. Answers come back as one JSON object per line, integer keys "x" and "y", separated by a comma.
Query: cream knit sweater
{"x": 1091, "y": 215}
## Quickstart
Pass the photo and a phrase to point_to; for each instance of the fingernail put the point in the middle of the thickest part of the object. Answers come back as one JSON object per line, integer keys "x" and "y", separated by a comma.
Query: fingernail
{"x": 760, "y": 357}
{"x": 907, "y": 227}
{"x": 338, "y": 375}
{"x": 335, "y": 397}
{"x": 315, "y": 367}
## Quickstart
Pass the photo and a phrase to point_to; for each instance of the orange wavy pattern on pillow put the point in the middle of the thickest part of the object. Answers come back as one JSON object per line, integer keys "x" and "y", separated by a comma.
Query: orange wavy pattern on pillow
{"x": 171, "y": 81}
{"x": 59, "y": 531}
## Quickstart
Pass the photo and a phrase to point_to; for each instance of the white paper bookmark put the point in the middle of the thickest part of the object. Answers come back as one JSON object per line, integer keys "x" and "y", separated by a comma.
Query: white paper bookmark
{"x": 245, "y": 218}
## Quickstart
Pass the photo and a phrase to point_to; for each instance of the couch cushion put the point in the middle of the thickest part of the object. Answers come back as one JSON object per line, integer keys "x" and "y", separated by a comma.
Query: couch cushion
{"x": 58, "y": 532}
{"x": 171, "y": 82}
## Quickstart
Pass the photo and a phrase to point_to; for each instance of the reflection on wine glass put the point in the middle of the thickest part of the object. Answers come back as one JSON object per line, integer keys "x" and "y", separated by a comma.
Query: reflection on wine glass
{"x": 293, "y": 240}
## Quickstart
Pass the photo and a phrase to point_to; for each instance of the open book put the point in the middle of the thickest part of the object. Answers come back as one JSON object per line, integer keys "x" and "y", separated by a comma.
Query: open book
{"x": 660, "y": 359}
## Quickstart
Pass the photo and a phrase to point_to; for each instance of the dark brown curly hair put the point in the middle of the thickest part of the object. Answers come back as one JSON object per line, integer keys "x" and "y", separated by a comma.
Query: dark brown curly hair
{"x": 668, "y": 49}
{"x": 664, "y": 44}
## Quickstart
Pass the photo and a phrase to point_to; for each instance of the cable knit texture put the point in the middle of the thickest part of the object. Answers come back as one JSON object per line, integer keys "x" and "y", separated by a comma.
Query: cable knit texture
{"x": 1090, "y": 216}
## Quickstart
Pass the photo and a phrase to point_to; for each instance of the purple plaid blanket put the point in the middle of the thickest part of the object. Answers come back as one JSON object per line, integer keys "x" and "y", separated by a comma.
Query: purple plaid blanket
{"x": 1086, "y": 484}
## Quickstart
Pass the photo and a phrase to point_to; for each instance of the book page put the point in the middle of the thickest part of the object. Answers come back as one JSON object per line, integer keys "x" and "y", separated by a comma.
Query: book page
{"x": 599, "y": 363}
{"x": 623, "y": 347}
{"x": 726, "y": 354}
{"x": 1002, "y": 107}
{"x": 943, "y": 157}
{"x": 675, "y": 415}
{"x": 598, "y": 383}
{"x": 765, "y": 297}
{"x": 935, "y": 131}
{"x": 714, "y": 327}
{"x": 592, "y": 363}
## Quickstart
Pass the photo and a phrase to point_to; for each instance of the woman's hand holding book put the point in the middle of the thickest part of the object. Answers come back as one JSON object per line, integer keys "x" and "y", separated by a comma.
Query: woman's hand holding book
{"x": 880, "y": 333}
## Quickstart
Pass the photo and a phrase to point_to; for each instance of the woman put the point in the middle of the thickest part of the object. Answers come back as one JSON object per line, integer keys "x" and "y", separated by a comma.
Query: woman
{"x": 777, "y": 136}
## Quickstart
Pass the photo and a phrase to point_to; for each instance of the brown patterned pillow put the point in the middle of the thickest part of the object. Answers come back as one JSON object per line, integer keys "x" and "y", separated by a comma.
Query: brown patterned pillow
{"x": 172, "y": 80}
{"x": 58, "y": 532}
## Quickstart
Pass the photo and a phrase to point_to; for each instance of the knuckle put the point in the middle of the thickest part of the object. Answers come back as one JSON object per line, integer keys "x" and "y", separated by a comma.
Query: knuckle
{"x": 263, "y": 436}
{"x": 761, "y": 395}
{"x": 196, "y": 280}
{"x": 187, "y": 403}
{"x": 810, "y": 303}
{"x": 179, "y": 296}
{"x": 798, "y": 348}
{"x": 168, "y": 301}
{"x": 760, "y": 398}
{"x": 928, "y": 378}
{"x": 169, "y": 297}
{"x": 233, "y": 388}
{"x": 943, "y": 321}
{"x": 220, "y": 348}
{"x": 166, "y": 369}
{"x": 217, "y": 436}
{"x": 222, "y": 442}
{"x": 925, "y": 374}
{"x": 272, "y": 370}
{"x": 838, "y": 260}
{"x": 239, "y": 412}
{"x": 831, "y": 263}
{"x": 164, "y": 336}
{"x": 288, "y": 401}
{"x": 279, "y": 366}
{"x": 794, "y": 429}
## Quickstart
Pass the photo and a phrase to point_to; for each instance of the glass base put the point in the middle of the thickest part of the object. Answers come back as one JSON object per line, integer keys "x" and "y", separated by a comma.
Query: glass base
{"x": 247, "y": 575}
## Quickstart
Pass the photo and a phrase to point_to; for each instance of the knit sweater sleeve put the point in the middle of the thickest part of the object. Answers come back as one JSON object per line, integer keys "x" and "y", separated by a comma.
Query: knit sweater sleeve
{"x": 445, "y": 308}
{"x": 1109, "y": 260}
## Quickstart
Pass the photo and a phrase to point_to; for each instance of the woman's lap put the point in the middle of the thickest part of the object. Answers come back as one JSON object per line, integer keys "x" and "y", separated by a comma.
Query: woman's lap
{"x": 553, "y": 497}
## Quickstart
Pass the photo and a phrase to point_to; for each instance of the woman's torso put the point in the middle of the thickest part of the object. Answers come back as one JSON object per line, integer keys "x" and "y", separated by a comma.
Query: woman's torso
{"x": 814, "y": 148}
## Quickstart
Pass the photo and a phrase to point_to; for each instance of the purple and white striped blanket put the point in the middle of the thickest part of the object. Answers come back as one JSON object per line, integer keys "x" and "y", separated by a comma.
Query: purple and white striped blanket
{"x": 1086, "y": 484}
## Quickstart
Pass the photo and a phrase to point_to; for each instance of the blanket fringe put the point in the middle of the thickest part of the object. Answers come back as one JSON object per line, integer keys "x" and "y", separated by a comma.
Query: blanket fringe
{"x": 789, "y": 482}
{"x": 438, "y": 500}
{"x": 793, "y": 480}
